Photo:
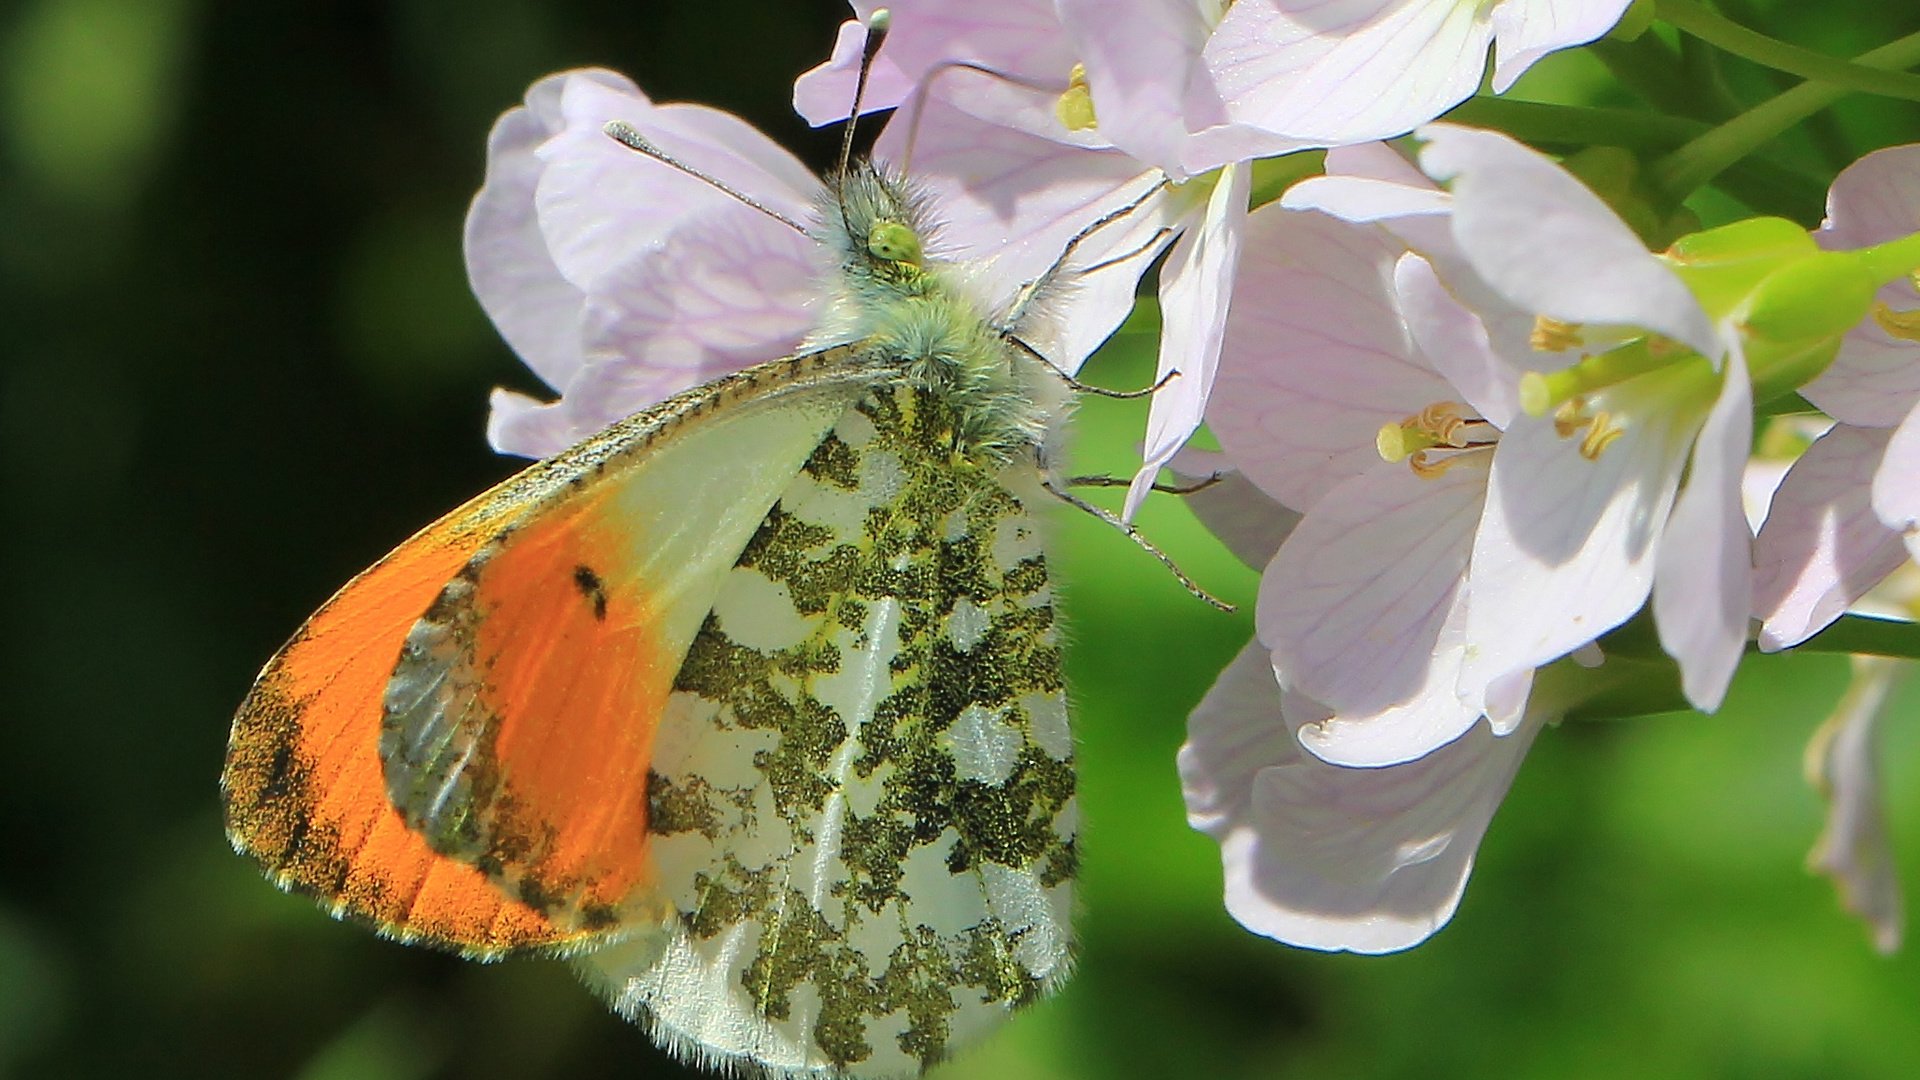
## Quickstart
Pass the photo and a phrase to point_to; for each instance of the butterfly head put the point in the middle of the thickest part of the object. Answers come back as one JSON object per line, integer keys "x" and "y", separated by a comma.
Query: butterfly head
{"x": 878, "y": 225}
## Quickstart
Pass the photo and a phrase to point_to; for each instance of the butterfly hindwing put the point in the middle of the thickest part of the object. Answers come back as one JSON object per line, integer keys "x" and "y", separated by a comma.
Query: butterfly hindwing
{"x": 440, "y": 750}
{"x": 862, "y": 793}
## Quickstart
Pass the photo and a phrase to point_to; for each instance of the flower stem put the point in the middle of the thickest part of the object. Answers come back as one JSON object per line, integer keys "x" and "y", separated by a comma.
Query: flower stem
{"x": 1693, "y": 165}
{"x": 1723, "y": 33}
{"x": 1577, "y": 125}
{"x": 1868, "y": 636}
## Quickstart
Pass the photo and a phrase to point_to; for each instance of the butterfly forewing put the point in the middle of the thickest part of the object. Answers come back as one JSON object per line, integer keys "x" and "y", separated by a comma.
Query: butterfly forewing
{"x": 861, "y": 797}
{"x": 453, "y": 803}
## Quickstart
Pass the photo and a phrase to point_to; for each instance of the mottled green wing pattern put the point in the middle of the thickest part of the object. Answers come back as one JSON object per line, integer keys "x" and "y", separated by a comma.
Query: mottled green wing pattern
{"x": 862, "y": 793}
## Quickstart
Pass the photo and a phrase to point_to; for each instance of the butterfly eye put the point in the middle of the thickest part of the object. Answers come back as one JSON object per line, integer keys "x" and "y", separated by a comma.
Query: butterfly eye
{"x": 893, "y": 242}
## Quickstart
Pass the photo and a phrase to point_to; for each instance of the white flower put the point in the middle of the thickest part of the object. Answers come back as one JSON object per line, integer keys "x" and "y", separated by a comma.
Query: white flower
{"x": 619, "y": 280}
{"x": 1632, "y": 386}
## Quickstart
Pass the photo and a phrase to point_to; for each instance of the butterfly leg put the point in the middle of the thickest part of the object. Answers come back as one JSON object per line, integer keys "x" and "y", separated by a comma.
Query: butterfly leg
{"x": 1103, "y": 480}
{"x": 1132, "y": 533}
{"x": 1088, "y": 388}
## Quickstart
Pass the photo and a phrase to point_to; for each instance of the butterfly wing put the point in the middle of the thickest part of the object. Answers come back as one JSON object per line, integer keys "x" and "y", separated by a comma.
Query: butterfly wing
{"x": 442, "y": 750}
{"x": 862, "y": 800}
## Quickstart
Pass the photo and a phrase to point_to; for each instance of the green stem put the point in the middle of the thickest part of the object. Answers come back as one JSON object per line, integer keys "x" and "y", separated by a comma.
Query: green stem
{"x": 1868, "y": 636}
{"x": 1693, "y": 165}
{"x": 1723, "y": 33}
{"x": 1539, "y": 122}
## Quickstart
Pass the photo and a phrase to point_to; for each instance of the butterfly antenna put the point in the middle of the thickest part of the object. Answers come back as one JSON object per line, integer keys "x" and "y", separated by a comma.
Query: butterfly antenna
{"x": 625, "y": 134}
{"x": 876, "y": 27}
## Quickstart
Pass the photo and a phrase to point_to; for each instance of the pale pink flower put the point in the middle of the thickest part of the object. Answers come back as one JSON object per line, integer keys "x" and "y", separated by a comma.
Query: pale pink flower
{"x": 1585, "y": 513}
{"x": 1839, "y": 520}
{"x": 1843, "y": 765}
{"x": 1339, "y": 331}
{"x": 1329, "y": 75}
{"x": 619, "y": 280}
{"x": 1367, "y": 860}
{"x": 1835, "y": 527}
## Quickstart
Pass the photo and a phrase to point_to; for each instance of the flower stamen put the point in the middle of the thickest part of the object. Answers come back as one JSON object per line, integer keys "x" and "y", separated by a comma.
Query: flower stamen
{"x": 1904, "y": 325}
{"x": 1074, "y": 109}
{"x": 1551, "y": 335}
{"x": 1432, "y": 440}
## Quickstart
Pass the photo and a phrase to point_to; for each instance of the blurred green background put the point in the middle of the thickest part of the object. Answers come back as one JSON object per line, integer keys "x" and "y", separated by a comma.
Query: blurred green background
{"x": 238, "y": 361}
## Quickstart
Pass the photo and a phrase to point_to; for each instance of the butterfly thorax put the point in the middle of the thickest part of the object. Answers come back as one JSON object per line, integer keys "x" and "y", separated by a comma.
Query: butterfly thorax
{"x": 911, "y": 315}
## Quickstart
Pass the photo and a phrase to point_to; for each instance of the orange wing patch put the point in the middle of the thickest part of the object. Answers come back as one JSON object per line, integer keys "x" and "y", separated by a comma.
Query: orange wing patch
{"x": 520, "y": 722}
{"x": 305, "y": 792}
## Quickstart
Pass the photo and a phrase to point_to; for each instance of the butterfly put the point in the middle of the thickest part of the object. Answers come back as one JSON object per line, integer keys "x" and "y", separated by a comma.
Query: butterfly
{"x": 751, "y": 704}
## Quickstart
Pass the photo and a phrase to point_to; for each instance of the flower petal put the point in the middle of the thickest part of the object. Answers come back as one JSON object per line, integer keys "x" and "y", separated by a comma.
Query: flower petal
{"x": 602, "y": 205}
{"x": 1896, "y": 487}
{"x": 523, "y": 426}
{"x": 1250, "y": 524}
{"x": 824, "y": 94}
{"x": 1366, "y": 860}
{"x": 1363, "y": 609}
{"x": 1455, "y": 342}
{"x": 536, "y": 309}
{"x": 1196, "y": 290}
{"x": 1703, "y": 582}
{"x": 1843, "y": 764}
{"x": 1020, "y": 40}
{"x": 1873, "y": 200}
{"x": 1333, "y": 74}
{"x": 1526, "y": 30}
{"x": 1550, "y": 245}
{"x": 1315, "y": 357}
{"x": 1822, "y": 547}
{"x": 1566, "y": 548}
{"x": 1140, "y": 56}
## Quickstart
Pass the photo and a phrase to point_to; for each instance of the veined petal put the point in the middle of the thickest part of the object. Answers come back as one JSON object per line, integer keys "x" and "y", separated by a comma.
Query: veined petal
{"x": 1333, "y": 74}
{"x": 1252, "y": 525}
{"x": 1566, "y": 549}
{"x": 1196, "y": 287}
{"x": 1021, "y": 40}
{"x": 1822, "y": 547}
{"x": 1140, "y": 56}
{"x": 1363, "y": 610}
{"x": 1454, "y": 340}
{"x": 1526, "y": 30}
{"x": 1896, "y": 487}
{"x": 602, "y": 205}
{"x": 526, "y": 427}
{"x": 1703, "y": 579}
{"x": 1875, "y": 379}
{"x": 1316, "y": 356}
{"x": 1843, "y": 764}
{"x": 1873, "y": 200}
{"x": 1366, "y": 860}
{"x": 824, "y": 94}
{"x": 536, "y": 309}
{"x": 1550, "y": 245}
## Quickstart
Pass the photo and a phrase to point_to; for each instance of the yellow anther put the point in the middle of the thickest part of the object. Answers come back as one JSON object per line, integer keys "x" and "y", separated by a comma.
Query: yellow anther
{"x": 1552, "y": 335}
{"x": 1600, "y": 436}
{"x": 1425, "y": 467}
{"x": 1904, "y": 325}
{"x": 1443, "y": 421}
{"x": 1570, "y": 417}
{"x": 1075, "y": 107}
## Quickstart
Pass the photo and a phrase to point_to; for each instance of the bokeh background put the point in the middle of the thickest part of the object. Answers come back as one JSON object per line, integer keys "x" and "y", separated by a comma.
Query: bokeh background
{"x": 238, "y": 361}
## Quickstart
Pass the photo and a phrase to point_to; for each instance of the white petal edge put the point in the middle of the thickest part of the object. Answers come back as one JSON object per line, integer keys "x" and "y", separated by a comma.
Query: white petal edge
{"x": 1324, "y": 857}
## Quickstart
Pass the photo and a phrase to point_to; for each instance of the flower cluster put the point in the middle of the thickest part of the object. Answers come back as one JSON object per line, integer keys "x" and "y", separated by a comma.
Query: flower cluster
{"x": 1478, "y": 408}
